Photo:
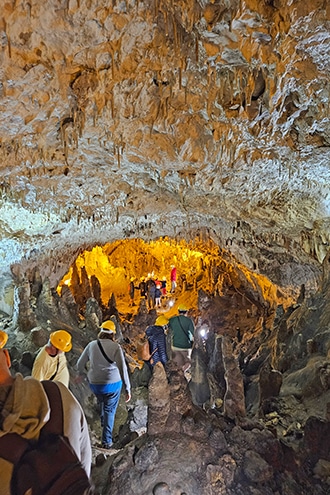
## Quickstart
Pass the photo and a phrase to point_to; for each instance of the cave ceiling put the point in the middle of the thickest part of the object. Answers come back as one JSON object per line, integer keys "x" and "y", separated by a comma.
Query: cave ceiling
{"x": 143, "y": 119}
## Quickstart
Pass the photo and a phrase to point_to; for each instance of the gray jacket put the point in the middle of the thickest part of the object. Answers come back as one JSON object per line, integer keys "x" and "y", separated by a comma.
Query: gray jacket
{"x": 100, "y": 370}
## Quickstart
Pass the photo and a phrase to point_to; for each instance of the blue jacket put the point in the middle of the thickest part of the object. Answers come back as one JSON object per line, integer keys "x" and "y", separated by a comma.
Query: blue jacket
{"x": 157, "y": 340}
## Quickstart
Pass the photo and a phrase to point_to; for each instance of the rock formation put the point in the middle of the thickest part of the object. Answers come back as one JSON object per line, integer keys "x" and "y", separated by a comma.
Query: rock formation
{"x": 136, "y": 133}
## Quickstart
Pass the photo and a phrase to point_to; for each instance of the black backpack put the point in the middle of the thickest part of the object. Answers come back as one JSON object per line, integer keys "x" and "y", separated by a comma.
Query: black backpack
{"x": 48, "y": 466}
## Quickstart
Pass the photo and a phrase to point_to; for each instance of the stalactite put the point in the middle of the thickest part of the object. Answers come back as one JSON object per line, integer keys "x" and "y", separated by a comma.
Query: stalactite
{"x": 112, "y": 107}
{"x": 180, "y": 78}
{"x": 94, "y": 114}
{"x": 197, "y": 50}
{"x": 113, "y": 64}
{"x": 118, "y": 156}
{"x": 9, "y": 46}
{"x": 62, "y": 134}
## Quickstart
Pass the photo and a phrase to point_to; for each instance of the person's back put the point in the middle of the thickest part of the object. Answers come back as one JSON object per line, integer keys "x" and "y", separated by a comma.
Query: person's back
{"x": 157, "y": 342}
{"x": 182, "y": 330}
{"x": 106, "y": 374}
{"x": 24, "y": 409}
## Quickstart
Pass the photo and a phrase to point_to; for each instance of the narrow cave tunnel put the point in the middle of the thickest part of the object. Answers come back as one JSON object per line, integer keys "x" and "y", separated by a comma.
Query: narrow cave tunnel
{"x": 256, "y": 396}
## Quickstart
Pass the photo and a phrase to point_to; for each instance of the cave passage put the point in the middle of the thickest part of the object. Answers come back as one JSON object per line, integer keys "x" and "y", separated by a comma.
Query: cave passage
{"x": 242, "y": 296}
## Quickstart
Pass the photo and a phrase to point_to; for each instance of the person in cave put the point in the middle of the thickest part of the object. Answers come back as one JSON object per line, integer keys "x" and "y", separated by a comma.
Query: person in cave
{"x": 157, "y": 341}
{"x": 151, "y": 292}
{"x": 142, "y": 288}
{"x": 50, "y": 362}
{"x": 182, "y": 331}
{"x": 173, "y": 278}
{"x": 131, "y": 290}
{"x": 25, "y": 409}
{"x": 158, "y": 295}
{"x": 163, "y": 286}
{"x": 107, "y": 374}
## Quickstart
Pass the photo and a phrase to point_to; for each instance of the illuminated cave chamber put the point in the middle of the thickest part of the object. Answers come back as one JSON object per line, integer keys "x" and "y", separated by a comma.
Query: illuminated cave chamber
{"x": 223, "y": 295}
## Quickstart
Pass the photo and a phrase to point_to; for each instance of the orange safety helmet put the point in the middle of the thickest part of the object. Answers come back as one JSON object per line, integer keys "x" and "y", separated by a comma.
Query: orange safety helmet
{"x": 61, "y": 339}
{"x": 161, "y": 321}
{"x": 3, "y": 338}
{"x": 108, "y": 327}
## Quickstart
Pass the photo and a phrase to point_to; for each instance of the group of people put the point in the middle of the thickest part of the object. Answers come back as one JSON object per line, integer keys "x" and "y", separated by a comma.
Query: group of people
{"x": 25, "y": 409}
{"x": 180, "y": 329}
{"x": 152, "y": 288}
{"x": 106, "y": 375}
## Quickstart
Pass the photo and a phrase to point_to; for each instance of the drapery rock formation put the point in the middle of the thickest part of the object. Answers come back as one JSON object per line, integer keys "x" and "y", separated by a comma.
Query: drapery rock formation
{"x": 189, "y": 120}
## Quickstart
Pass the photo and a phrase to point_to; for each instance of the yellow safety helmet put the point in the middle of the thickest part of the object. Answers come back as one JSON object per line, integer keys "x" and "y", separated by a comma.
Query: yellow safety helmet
{"x": 108, "y": 326}
{"x": 183, "y": 308}
{"x": 61, "y": 339}
{"x": 161, "y": 321}
{"x": 3, "y": 338}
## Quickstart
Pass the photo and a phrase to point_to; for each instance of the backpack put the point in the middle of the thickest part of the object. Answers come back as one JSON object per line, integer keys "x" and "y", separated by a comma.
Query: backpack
{"x": 49, "y": 465}
{"x": 143, "y": 350}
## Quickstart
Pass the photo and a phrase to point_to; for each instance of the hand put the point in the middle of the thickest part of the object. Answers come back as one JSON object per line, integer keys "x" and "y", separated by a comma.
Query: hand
{"x": 128, "y": 397}
{"x": 77, "y": 380}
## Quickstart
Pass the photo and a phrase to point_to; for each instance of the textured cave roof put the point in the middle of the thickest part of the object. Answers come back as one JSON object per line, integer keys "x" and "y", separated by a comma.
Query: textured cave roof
{"x": 147, "y": 119}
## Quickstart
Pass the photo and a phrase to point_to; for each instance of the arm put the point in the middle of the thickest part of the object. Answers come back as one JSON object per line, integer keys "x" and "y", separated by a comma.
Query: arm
{"x": 191, "y": 330}
{"x": 39, "y": 368}
{"x": 121, "y": 363}
{"x": 75, "y": 428}
{"x": 83, "y": 360}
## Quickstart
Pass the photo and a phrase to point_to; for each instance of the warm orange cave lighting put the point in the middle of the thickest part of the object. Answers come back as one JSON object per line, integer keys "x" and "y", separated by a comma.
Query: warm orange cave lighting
{"x": 114, "y": 265}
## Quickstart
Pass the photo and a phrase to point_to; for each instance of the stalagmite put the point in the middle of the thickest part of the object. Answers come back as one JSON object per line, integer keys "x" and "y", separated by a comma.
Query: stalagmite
{"x": 234, "y": 400}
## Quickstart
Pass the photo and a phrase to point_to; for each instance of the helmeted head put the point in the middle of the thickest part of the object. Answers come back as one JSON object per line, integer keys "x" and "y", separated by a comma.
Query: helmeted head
{"x": 108, "y": 327}
{"x": 161, "y": 321}
{"x": 61, "y": 339}
{"x": 182, "y": 308}
{"x": 5, "y": 363}
{"x": 3, "y": 339}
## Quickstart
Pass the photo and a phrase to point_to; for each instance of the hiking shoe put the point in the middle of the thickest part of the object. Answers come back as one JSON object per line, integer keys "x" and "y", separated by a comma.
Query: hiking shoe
{"x": 106, "y": 446}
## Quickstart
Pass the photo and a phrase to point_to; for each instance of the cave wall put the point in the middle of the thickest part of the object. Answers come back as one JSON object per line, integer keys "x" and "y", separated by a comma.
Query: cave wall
{"x": 146, "y": 118}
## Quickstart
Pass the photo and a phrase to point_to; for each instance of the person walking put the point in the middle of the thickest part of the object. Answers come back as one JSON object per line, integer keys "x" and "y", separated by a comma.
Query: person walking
{"x": 163, "y": 286}
{"x": 173, "y": 278}
{"x": 107, "y": 374}
{"x": 142, "y": 288}
{"x": 25, "y": 409}
{"x": 158, "y": 295}
{"x": 157, "y": 341}
{"x": 182, "y": 331}
{"x": 151, "y": 292}
{"x": 131, "y": 290}
{"x": 50, "y": 362}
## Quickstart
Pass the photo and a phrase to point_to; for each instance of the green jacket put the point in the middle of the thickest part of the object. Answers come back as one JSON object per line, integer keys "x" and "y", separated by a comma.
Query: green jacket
{"x": 182, "y": 330}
